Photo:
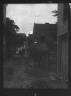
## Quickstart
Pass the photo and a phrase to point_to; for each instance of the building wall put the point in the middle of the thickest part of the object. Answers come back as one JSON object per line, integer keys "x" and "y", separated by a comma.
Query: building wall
{"x": 4, "y": 13}
{"x": 4, "y": 49}
{"x": 64, "y": 57}
{"x": 44, "y": 29}
{"x": 49, "y": 30}
{"x": 60, "y": 20}
{"x": 4, "y": 39}
{"x": 65, "y": 26}
{"x": 53, "y": 58}
{"x": 62, "y": 45}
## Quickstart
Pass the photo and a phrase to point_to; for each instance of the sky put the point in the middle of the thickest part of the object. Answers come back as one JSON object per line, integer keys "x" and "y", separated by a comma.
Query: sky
{"x": 25, "y": 15}
{"x": 70, "y": 4}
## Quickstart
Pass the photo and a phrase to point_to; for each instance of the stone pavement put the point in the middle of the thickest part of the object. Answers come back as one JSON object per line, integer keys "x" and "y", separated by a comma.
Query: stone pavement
{"x": 21, "y": 72}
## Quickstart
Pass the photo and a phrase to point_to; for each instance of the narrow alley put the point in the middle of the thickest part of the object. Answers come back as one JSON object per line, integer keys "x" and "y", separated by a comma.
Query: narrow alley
{"x": 35, "y": 46}
{"x": 21, "y": 72}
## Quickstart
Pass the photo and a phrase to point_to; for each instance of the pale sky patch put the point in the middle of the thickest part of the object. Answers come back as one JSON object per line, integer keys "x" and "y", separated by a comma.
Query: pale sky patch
{"x": 25, "y": 15}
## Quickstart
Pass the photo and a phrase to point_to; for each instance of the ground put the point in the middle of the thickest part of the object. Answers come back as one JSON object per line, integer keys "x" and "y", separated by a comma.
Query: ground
{"x": 22, "y": 72}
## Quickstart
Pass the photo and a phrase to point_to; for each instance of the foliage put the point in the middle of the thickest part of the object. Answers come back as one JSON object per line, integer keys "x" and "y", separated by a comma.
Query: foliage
{"x": 11, "y": 30}
{"x": 55, "y": 12}
{"x": 10, "y": 26}
{"x": 10, "y": 34}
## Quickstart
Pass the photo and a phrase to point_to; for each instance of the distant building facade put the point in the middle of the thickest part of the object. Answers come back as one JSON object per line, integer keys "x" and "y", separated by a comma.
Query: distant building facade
{"x": 42, "y": 32}
{"x": 62, "y": 40}
{"x": 47, "y": 34}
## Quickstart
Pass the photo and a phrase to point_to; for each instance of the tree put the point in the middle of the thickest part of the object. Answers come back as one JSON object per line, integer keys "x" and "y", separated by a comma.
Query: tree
{"x": 10, "y": 34}
{"x": 10, "y": 26}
